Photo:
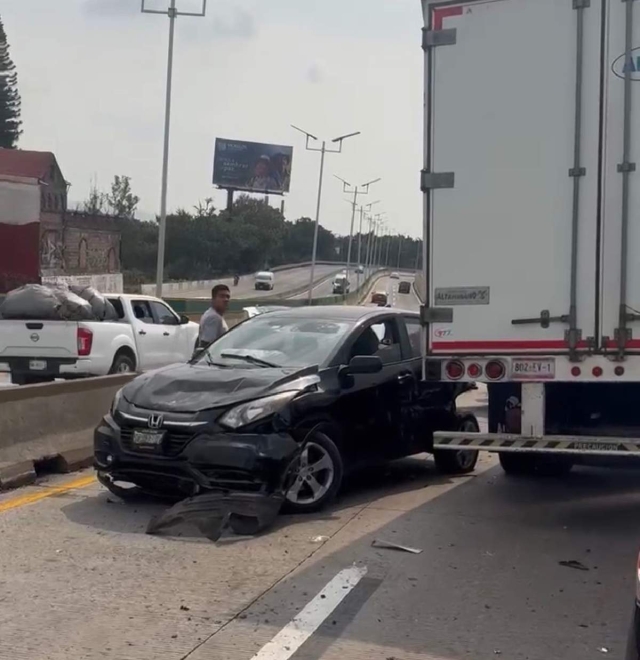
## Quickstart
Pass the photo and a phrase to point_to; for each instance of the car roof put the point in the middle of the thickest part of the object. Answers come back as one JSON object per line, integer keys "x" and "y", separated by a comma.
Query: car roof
{"x": 342, "y": 312}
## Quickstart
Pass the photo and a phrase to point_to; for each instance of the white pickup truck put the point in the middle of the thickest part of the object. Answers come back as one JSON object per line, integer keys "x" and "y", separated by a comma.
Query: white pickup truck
{"x": 148, "y": 335}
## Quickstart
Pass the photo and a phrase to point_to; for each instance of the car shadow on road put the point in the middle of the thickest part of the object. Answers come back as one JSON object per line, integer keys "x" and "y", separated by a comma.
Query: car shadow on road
{"x": 107, "y": 513}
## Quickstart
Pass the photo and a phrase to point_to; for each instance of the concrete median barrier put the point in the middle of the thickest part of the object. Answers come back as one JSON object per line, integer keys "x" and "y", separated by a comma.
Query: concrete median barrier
{"x": 49, "y": 427}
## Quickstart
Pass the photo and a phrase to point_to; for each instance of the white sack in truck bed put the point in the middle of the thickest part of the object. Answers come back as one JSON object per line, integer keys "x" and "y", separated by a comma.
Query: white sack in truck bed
{"x": 56, "y": 303}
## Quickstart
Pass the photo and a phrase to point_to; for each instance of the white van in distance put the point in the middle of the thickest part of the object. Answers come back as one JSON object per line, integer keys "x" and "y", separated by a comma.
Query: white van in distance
{"x": 264, "y": 280}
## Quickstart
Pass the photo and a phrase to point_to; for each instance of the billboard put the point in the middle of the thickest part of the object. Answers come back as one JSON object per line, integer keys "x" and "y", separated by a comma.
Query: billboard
{"x": 252, "y": 166}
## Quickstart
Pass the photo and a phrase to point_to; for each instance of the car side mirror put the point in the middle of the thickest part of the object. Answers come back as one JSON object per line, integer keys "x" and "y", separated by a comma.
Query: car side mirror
{"x": 365, "y": 364}
{"x": 360, "y": 364}
{"x": 184, "y": 319}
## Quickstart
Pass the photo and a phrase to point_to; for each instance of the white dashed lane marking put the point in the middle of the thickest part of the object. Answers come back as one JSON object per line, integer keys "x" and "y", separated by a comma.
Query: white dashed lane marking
{"x": 304, "y": 624}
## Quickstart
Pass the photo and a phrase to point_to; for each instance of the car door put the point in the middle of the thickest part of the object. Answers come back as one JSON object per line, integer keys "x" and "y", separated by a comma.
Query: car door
{"x": 369, "y": 411}
{"x": 172, "y": 335}
{"x": 149, "y": 335}
{"x": 431, "y": 403}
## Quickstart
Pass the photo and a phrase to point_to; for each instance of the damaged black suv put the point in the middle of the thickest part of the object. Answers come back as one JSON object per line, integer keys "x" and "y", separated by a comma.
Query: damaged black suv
{"x": 286, "y": 402}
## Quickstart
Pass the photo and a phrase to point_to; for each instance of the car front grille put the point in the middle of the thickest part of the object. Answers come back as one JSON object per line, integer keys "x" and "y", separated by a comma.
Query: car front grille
{"x": 174, "y": 441}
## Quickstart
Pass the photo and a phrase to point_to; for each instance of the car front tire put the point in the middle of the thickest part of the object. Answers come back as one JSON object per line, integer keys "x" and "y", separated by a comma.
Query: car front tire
{"x": 316, "y": 476}
{"x": 463, "y": 461}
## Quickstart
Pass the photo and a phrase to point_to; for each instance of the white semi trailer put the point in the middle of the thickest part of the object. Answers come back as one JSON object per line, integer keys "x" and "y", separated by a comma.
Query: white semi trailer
{"x": 532, "y": 223}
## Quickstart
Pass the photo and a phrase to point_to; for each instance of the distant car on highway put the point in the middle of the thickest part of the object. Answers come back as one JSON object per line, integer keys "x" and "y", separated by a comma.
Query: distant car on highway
{"x": 379, "y": 298}
{"x": 284, "y": 404}
{"x": 404, "y": 287}
{"x": 147, "y": 335}
{"x": 633, "y": 641}
{"x": 250, "y": 312}
{"x": 395, "y": 276}
{"x": 341, "y": 285}
{"x": 264, "y": 280}
{"x": 360, "y": 269}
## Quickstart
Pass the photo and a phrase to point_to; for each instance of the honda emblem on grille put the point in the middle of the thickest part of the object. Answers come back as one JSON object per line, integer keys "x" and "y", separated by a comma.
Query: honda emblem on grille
{"x": 155, "y": 421}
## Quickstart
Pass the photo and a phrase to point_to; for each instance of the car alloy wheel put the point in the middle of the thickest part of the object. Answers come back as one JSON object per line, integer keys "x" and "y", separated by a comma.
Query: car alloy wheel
{"x": 312, "y": 476}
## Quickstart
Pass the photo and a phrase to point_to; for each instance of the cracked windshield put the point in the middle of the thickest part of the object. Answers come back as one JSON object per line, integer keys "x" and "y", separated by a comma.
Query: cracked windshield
{"x": 319, "y": 330}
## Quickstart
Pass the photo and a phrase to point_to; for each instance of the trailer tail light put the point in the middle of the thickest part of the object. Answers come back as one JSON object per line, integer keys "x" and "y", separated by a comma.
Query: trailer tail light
{"x": 454, "y": 370}
{"x": 597, "y": 372}
{"x": 474, "y": 370}
{"x": 619, "y": 370}
{"x": 85, "y": 341}
{"x": 576, "y": 371}
{"x": 494, "y": 370}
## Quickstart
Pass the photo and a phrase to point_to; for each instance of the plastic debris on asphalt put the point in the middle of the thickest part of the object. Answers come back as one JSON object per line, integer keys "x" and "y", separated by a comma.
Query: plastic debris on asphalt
{"x": 387, "y": 545}
{"x": 572, "y": 563}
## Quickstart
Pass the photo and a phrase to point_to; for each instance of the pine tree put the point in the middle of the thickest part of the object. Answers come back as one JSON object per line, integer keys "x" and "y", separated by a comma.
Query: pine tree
{"x": 10, "y": 122}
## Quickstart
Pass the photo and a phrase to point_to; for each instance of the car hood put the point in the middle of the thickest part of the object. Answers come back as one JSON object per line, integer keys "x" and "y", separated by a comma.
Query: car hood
{"x": 195, "y": 387}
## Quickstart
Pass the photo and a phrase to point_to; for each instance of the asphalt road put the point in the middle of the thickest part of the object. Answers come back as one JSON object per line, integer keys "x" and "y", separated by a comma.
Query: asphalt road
{"x": 285, "y": 281}
{"x": 80, "y": 579}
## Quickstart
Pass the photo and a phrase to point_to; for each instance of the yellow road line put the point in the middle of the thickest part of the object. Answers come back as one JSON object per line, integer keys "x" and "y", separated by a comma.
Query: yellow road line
{"x": 23, "y": 500}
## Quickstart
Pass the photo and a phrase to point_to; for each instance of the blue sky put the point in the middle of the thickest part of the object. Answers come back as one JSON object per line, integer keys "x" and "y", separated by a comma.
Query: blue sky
{"x": 92, "y": 74}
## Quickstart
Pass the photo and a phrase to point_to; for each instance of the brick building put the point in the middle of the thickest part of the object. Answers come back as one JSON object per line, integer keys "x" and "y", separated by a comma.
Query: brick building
{"x": 39, "y": 237}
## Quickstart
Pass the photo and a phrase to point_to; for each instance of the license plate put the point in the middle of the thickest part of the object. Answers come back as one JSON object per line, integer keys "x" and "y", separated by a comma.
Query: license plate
{"x": 37, "y": 365}
{"x": 151, "y": 440}
{"x": 531, "y": 369}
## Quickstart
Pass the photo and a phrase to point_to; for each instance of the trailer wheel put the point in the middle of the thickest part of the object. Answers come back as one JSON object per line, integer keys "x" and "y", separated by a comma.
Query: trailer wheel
{"x": 541, "y": 465}
{"x": 461, "y": 461}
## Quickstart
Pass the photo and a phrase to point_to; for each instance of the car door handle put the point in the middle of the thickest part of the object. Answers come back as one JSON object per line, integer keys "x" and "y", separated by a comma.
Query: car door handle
{"x": 142, "y": 332}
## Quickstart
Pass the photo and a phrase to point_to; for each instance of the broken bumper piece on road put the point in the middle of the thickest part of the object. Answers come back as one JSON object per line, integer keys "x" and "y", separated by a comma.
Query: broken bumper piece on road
{"x": 230, "y": 479}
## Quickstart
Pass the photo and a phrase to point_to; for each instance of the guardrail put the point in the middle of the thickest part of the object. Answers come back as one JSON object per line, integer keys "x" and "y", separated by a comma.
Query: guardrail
{"x": 173, "y": 287}
{"x": 50, "y": 427}
{"x": 195, "y": 307}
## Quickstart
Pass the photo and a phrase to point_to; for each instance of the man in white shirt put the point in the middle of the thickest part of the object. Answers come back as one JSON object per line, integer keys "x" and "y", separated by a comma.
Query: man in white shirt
{"x": 212, "y": 323}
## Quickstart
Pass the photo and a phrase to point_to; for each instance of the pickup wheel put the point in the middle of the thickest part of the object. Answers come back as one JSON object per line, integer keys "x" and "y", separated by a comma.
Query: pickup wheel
{"x": 122, "y": 364}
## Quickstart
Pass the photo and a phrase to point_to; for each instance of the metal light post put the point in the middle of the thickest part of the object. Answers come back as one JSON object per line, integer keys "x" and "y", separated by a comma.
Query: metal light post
{"x": 323, "y": 150}
{"x": 357, "y": 190}
{"x": 362, "y": 211}
{"x": 377, "y": 240}
{"x": 389, "y": 237}
{"x": 400, "y": 240}
{"x": 173, "y": 13}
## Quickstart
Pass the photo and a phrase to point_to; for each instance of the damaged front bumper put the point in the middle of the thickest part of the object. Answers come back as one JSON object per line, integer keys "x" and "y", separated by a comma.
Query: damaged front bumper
{"x": 209, "y": 461}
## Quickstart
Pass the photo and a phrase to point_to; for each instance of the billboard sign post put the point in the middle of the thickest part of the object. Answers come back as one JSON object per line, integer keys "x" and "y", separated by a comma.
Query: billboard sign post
{"x": 252, "y": 166}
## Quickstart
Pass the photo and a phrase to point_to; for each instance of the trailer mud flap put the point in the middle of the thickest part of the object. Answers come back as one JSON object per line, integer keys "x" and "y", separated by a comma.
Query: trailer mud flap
{"x": 556, "y": 444}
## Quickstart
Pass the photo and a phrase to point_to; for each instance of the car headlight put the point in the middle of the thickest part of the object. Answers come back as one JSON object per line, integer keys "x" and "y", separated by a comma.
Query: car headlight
{"x": 254, "y": 410}
{"x": 116, "y": 401}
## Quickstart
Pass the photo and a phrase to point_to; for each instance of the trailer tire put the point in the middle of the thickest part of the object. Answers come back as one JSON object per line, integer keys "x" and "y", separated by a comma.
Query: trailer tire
{"x": 523, "y": 464}
{"x": 449, "y": 461}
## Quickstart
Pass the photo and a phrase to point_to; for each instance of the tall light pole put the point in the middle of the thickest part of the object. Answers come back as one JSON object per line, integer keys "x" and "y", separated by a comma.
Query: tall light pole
{"x": 362, "y": 212}
{"x": 362, "y": 190}
{"x": 389, "y": 237}
{"x": 323, "y": 150}
{"x": 400, "y": 240}
{"x": 173, "y": 13}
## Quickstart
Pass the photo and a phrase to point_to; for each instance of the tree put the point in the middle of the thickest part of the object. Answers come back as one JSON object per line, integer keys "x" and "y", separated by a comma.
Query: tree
{"x": 121, "y": 201}
{"x": 10, "y": 104}
{"x": 95, "y": 203}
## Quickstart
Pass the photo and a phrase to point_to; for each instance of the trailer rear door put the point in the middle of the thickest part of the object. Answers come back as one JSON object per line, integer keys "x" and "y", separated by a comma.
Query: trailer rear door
{"x": 511, "y": 172}
{"x": 621, "y": 221}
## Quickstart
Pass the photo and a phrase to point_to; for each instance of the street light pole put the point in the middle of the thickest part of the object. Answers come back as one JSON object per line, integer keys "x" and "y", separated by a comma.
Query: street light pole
{"x": 357, "y": 190}
{"x": 173, "y": 13}
{"x": 400, "y": 239}
{"x": 323, "y": 150}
